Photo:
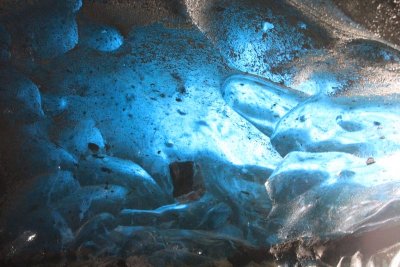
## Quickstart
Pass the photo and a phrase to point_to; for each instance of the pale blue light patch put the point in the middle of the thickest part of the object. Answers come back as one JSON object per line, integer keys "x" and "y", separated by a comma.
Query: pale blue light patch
{"x": 321, "y": 83}
{"x": 364, "y": 128}
{"x": 267, "y": 26}
{"x": 129, "y": 230}
{"x": 171, "y": 207}
{"x": 261, "y": 102}
{"x": 388, "y": 56}
{"x": 158, "y": 211}
{"x": 302, "y": 25}
{"x": 63, "y": 103}
{"x": 100, "y": 37}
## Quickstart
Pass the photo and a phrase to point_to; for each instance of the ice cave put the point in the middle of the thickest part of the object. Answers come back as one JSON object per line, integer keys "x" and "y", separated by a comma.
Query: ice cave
{"x": 210, "y": 133}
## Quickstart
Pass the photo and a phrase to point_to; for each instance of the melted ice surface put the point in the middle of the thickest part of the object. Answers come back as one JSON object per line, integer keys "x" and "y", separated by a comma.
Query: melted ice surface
{"x": 339, "y": 172}
{"x": 292, "y": 122}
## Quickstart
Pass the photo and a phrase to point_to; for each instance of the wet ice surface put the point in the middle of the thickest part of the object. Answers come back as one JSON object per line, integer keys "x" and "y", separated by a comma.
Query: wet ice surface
{"x": 312, "y": 45}
{"x": 102, "y": 127}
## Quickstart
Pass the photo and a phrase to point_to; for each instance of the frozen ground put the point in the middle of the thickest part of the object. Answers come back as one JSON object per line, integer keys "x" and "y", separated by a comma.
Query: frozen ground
{"x": 179, "y": 141}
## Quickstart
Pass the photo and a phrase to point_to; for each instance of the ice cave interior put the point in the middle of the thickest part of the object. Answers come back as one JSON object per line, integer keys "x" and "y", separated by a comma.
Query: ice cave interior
{"x": 200, "y": 133}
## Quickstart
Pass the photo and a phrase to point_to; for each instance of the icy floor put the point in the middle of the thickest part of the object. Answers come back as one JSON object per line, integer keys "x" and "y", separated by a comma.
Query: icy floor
{"x": 93, "y": 119}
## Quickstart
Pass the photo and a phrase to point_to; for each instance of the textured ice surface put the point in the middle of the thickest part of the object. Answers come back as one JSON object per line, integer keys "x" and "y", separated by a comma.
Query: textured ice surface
{"x": 45, "y": 30}
{"x": 95, "y": 107}
{"x": 260, "y": 102}
{"x": 344, "y": 180}
{"x": 347, "y": 194}
{"x": 363, "y": 127}
{"x": 312, "y": 45}
{"x": 19, "y": 97}
{"x": 100, "y": 107}
{"x": 99, "y": 37}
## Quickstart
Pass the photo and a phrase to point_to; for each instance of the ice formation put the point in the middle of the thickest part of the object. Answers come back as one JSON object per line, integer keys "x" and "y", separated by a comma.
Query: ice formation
{"x": 200, "y": 133}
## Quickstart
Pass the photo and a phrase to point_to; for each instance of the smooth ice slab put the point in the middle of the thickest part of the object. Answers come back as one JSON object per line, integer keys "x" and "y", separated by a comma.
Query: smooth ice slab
{"x": 100, "y": 37}
{"x": 339, "y": 166}
{"x": 366, "y": 127}
{"x": 261, "y": 102}
{"x": 20, "y": 98}
{"x": 109, "y": 170}
{"x": 301, "y": 171}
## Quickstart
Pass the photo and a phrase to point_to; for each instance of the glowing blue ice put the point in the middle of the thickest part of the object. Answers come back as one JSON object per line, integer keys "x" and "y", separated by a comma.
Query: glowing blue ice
{"x": 94, "y": 121}
{"x": 100, "y": 37}
{"x": 360, "y": 141}
{"x": 268, "y": 26}
{"x": 261, "y": 102}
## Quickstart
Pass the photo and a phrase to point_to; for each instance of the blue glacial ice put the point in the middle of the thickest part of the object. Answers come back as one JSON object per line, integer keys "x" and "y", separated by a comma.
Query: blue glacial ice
{"x": 99, "y": 37}
{"x": 19, "y": 97}
{"x": 362, "y": 127}
{"x": 339, "y": 168}
{"x": 276, "y": 128}
{"x": 262, "y": 103}
{"x": 308, "y": 42}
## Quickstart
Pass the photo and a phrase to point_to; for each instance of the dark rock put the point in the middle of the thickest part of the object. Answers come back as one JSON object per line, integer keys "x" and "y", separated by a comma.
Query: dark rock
{"x": 370, "y": 161}
{"x": 244, "y": 255}
{"x": 186, "y": 178}
{"x": 93, "y": 147}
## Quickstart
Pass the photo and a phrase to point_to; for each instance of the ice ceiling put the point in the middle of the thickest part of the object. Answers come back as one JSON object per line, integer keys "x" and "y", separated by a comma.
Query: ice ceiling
{"x": 199, "y": 133}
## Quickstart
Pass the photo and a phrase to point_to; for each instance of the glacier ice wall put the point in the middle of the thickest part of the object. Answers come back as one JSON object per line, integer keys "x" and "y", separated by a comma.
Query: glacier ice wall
{"x": 209, "y": 133}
